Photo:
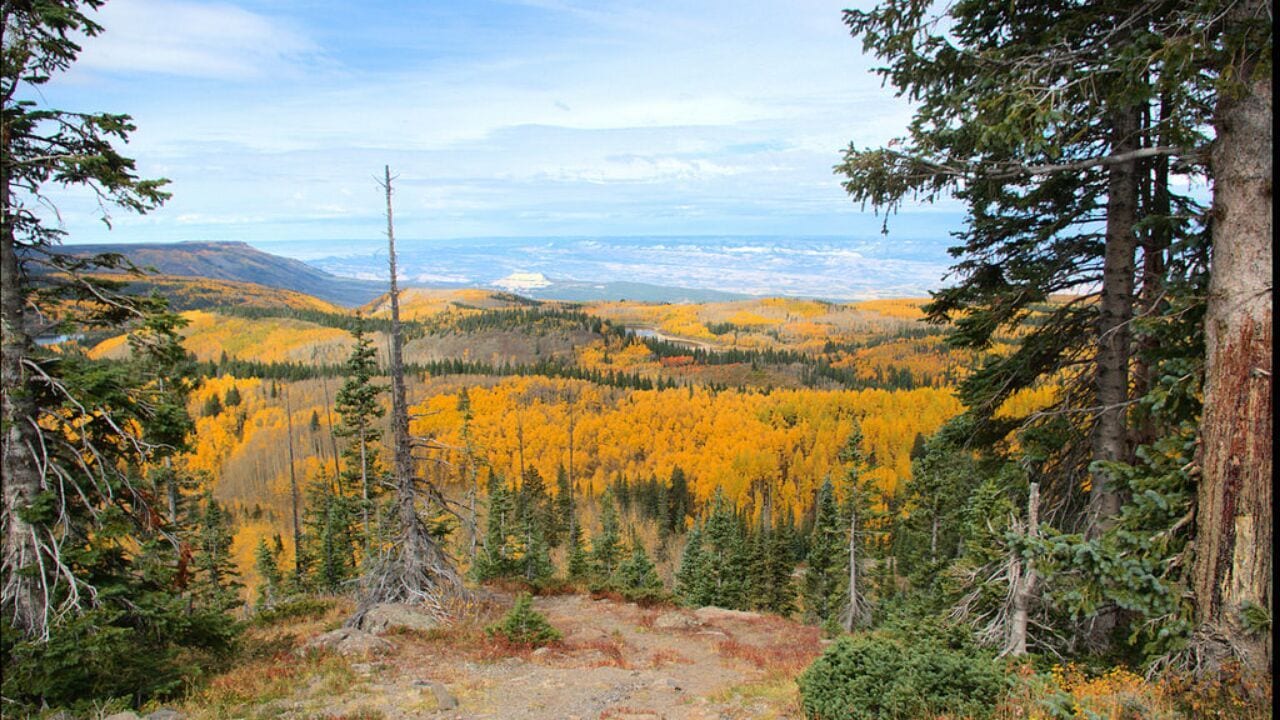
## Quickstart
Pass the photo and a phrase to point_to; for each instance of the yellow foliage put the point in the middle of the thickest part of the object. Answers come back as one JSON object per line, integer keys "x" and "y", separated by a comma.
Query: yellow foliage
{"x": 904, "y": 309}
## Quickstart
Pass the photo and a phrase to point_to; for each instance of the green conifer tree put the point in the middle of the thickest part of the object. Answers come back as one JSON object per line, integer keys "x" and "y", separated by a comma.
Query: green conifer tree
{"x": 605, "y": 547}
{"x": 826, "y": 565}
{"x": 637, "y": 578}
{"x": 357, "y": 403}
{"x": 266, "y": 562}
{"x": 217, "y": 580}
{"x": 691, "y": 581}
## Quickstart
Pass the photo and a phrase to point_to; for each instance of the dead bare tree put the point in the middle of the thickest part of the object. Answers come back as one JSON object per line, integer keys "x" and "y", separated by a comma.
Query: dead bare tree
{"x": 414, "y": 569}
{"x": 1022, "y": 581}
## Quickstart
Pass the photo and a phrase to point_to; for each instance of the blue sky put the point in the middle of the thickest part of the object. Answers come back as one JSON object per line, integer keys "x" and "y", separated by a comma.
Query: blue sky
{"x": 520, "y": 118}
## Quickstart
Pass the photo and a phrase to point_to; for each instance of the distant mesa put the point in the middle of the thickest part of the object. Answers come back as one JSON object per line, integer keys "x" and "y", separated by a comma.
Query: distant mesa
{"x": 237, "y": 261}
{"x": 518, "y": 281}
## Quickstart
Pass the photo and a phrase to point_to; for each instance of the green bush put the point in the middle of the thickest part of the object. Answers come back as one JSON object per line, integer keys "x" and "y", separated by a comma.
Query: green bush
{"x": 878, "y": 677}
{"x": 294, "y": 608}
{"x": 524, "y": 626}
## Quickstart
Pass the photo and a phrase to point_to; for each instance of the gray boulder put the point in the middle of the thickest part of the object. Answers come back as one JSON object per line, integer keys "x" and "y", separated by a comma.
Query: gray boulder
{"x": 444, "y": 699}
{"x": 349, "y": 641}
{"x": 381, "y": 618}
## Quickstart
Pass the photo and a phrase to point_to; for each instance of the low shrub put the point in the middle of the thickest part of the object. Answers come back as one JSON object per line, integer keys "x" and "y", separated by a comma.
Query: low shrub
{"x": 524, "y": 626}
{"x": 879, "y": 677}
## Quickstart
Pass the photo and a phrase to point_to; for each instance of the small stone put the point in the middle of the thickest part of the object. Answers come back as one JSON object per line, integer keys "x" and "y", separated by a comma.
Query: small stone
{"x": 711, "y": 613}
{"x": 542, "y": 651}
{"x": 675, "y": 621}
{"x": 126, "y": 715}
{"x": 164, "y": 713}
{"x": 444, "y": 699}
{"x": 666, "y": 684}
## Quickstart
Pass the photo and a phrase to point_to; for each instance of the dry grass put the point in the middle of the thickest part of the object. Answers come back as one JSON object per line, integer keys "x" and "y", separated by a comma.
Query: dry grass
{"x": 664, "y": 657}
{"x": 1121, "y": 694}
{"x": 612, "y": 650}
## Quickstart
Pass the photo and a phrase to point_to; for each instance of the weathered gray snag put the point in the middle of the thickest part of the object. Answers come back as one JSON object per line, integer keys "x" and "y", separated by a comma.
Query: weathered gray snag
{"x": 1022, "y": 582}
{"x": 414, "y": 569}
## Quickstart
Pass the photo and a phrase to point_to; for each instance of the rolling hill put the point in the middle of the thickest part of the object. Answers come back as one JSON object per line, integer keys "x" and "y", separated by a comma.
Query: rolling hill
{"x": 236, "y": 261}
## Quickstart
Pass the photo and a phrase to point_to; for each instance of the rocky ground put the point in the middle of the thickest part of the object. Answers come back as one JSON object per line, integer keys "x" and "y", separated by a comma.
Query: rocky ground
{"x": 616, "y": 660}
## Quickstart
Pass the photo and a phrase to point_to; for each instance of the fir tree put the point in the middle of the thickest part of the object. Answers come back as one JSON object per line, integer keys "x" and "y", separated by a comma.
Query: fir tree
{"x": 605, "y": 547}
{"x": 497, "y": 558}
{"x": 358, "y": 406}
{"x": 777, "y": 591}
{"x": 266, "y": 562}
{"x": 691, "y": 581}
{"x": 577, "y": 560}
{"x": 637, "y": 578}
{"x": 826, "y": 565}
{"x": 217, "y": 580}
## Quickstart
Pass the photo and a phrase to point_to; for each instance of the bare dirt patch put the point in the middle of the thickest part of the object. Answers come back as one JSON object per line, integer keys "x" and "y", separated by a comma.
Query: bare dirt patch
{"x": 615, "y": 661}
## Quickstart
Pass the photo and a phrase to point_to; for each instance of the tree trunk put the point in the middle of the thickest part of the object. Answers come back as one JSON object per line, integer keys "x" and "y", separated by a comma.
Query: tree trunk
{"x": 1022, "y": 582}
{"x": 23, "y": 599}
{"x": 1110, "y": 431}
{"x": 1232, "y": 567}
{"x": 1110, "y": 438}
{"x": 293, "y": 491}
{"x": 854, "y": 599}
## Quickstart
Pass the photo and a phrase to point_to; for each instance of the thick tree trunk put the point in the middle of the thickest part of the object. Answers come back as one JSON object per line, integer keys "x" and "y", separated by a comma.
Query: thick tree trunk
{"x": 23, "y": 600}
{"x": 1232, "y": 568}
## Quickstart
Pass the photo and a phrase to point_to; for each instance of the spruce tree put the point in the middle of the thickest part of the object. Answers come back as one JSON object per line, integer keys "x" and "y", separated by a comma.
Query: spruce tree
{"x": 497, "y": 558}
{"x": 217, "y": 580}
{"x": 578, "y": 561}
{"x": 605, "y": 547}
{"x": 637, "y": 578}
{"x": 691, "y": 578}
{"x": 358, "y": 406}
{"x": 266, "y": 562}
{"x": 826, "y": 565}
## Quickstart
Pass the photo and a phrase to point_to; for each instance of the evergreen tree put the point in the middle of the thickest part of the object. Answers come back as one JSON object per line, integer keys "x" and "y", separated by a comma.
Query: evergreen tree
{"x": 777, "y": 591}
{"x": 330, "y": 536}
{"x": 232, "y": 398}
{"x": 498, "y": 557}
{"x": 563, "y": 518}
{"x": 578, "y": 560}
{"x": 266, "y": 562}
{"x": 637, "y": 578}
{"x": 358, "y": 406}
{"x": 216, "y": 579}
{"x": 691, "y": 578}
{"x": 826, "y": 566}
{"x": 605, "y": 547}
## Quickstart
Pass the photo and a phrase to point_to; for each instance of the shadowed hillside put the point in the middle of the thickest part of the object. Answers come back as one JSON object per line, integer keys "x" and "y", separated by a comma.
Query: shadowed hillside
{"x": 238, "y": 262}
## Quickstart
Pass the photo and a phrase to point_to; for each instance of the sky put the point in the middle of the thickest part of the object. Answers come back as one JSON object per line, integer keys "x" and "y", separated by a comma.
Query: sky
{"x": 525, "y": 118}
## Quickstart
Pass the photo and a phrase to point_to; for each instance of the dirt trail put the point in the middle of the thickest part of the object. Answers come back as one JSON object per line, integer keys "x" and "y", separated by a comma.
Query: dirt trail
{"x": 616, "y": 660}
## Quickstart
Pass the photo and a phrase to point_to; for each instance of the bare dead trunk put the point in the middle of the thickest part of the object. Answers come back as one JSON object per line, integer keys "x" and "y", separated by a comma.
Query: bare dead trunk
{"x": 1022, "y": 582}
{"x": 293, "y": 490}
{"x": 1232, "y": 567}
{"x": 415, "y": 569}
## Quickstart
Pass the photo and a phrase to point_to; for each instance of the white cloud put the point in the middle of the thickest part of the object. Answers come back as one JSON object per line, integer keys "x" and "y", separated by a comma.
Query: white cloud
{"x": 191, "y": 39}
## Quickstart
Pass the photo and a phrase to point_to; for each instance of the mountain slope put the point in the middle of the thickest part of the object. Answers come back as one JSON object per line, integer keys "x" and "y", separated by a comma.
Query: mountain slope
{"x": 237, "y": 261}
